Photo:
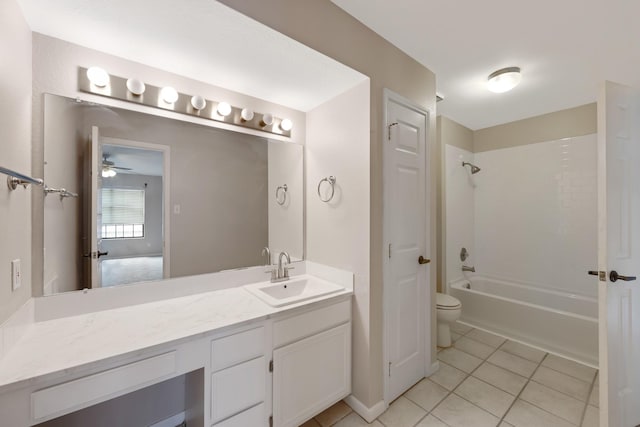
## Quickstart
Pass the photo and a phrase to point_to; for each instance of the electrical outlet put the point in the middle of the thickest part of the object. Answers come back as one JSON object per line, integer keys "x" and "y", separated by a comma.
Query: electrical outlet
{"x": 16, "y": 274}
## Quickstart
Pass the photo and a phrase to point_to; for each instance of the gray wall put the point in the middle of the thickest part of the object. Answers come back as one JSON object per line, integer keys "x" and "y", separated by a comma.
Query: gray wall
{"x": 219, "y": 179}
{"x": 576, "y": 121}
{"x": 15, "y": 146}
{"x": 151, "y": 243}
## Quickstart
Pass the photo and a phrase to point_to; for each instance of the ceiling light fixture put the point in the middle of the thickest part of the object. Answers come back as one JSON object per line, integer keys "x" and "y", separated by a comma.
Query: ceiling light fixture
{"x": 169, "y": 95}
{"x": 286, "y": 125}
{"x": 98, "y": 76}
{"x": 224, "y": 109}
{"x": 198, "y": 102}
{"x": 136, "y": 86}
{"x": 108, "y": 173}
{"x": 96, "y": 80}
{"x": 504, "y": 79}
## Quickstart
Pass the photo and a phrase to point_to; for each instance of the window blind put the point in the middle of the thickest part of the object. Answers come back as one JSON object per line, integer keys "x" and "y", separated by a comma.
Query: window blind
{"x": 122, "y": 206}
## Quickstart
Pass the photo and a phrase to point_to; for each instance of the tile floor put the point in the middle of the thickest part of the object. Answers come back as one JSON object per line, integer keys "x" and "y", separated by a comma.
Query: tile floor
{"x": 486, "y": 380}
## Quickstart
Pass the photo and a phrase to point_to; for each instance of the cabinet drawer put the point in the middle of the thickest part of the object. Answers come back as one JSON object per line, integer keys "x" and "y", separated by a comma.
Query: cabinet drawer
{"x": 76, "y": 394}
{"x": 254, "y": 417}
{"x": 231, "y": 350}
{"x": 237, "y": 388}
{"x": 294, "y": 328}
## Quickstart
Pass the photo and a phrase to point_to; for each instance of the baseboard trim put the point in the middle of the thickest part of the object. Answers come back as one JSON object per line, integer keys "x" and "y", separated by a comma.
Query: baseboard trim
{"x": 433, "y": 369}
{"x": 369, "y": 414}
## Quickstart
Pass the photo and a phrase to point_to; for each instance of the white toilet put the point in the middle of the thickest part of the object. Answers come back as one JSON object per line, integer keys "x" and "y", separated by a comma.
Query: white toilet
{"x": 449, "y": 310}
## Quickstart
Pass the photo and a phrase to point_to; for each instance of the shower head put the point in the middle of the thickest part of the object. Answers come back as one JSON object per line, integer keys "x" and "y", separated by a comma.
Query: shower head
{"x": 474, "y": 168}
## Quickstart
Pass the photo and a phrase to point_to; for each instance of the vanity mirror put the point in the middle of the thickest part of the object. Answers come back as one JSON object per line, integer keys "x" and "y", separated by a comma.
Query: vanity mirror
{"x": 159, "y": 198}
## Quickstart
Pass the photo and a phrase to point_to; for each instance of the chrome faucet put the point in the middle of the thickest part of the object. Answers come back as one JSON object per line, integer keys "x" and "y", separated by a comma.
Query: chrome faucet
{"x": 281, "y": 273}
{"x": 266, "y": 253}
{"x": 471, "y": 269}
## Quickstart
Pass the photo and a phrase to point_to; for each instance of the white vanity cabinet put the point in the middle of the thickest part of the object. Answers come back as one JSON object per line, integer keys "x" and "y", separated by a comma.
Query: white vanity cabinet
{"x": 275, "y": 367}
{"x": 311, "y": 363}
{"x": 239, "y": 379}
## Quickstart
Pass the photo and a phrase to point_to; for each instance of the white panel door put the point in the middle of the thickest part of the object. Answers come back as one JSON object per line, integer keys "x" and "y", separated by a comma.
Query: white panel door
{"x": 405, "y": 212}
{"x": 619, "y": 254}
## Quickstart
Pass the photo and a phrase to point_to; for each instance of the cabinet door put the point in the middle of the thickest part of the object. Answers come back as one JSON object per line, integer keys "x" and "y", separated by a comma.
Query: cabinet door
{"x": 310, "y": 375}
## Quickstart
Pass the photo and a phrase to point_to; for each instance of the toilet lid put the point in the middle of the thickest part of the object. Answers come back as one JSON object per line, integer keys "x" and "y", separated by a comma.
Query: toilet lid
{"x": 446, "y": 301}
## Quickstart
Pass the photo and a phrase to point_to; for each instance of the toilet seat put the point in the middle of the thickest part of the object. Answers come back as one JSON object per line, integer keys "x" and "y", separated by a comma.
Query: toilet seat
{"x": 447, "y": 302}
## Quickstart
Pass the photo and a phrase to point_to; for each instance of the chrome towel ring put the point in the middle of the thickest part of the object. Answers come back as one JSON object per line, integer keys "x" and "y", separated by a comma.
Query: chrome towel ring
{"x": 332, "y": 182}
{"x": 284, "y": 189}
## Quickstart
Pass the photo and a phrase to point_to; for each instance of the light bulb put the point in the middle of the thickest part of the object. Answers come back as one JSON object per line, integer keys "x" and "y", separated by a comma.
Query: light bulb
{"x": 198, "y": 102}
{"x": 108, "y": 173}
{"x": 286, "y": 125}
{"x": 169, "y": 94}
{"x": 98, "y": 76}
{"x": 267, "y": 120}
{"x": 135, "y": 86}
{"x": 246, "y": 114}
{"x": 224, "y": 109}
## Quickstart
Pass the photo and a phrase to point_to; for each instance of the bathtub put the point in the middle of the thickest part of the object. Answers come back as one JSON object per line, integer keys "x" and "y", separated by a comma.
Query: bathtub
{"x": 554, "y": 321}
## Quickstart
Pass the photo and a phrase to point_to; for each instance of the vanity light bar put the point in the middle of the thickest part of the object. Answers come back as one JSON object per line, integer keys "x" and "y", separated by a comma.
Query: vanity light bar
{"x": 154, "y": 96}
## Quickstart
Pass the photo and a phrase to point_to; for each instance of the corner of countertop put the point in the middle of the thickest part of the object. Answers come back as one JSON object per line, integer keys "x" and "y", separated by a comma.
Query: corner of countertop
{"x": 16, "y": 326}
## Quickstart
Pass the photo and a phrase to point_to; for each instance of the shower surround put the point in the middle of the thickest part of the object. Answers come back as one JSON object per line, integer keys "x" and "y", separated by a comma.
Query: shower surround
{"x": 530, "y": 216}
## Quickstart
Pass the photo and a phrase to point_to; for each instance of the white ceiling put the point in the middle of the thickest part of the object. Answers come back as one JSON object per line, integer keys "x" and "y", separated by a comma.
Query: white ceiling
{"x": 565, "y": 48}
{"x": 140, "y": 161}
{"x": 200, "y": 39}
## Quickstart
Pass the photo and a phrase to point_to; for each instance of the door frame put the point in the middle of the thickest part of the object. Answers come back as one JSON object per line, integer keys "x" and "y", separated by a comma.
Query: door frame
{"x": 166, "y": 192}
{"x": 389, "y": 95}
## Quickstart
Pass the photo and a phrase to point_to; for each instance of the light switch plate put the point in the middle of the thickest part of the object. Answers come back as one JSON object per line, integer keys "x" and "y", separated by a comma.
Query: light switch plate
{"x": 16, "y": 274}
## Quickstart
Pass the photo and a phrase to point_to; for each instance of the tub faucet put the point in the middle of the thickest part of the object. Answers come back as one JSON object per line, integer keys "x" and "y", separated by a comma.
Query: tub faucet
{"x": 471, "y": 269}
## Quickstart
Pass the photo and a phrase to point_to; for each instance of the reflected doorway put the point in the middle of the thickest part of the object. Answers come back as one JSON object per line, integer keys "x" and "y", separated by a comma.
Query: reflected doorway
{"x": 127, "y": 220}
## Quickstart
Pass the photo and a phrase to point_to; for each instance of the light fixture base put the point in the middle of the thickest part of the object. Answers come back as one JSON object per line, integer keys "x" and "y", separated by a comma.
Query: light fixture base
{"x": 117, "y": 89}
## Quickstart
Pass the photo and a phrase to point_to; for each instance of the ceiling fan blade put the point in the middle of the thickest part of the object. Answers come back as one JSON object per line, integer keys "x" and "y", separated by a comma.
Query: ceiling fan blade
{"x": 118, "y": 167}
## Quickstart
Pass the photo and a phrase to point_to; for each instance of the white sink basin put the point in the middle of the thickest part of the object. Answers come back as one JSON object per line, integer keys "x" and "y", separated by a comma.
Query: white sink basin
{"x": 292, "y": 291}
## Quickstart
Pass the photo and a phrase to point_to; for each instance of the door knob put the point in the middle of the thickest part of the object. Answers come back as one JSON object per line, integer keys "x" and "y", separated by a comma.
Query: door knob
{"x": 614, "y": 276}
{"x": 95, "y": 255}
{"x": 423, "y": 260}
